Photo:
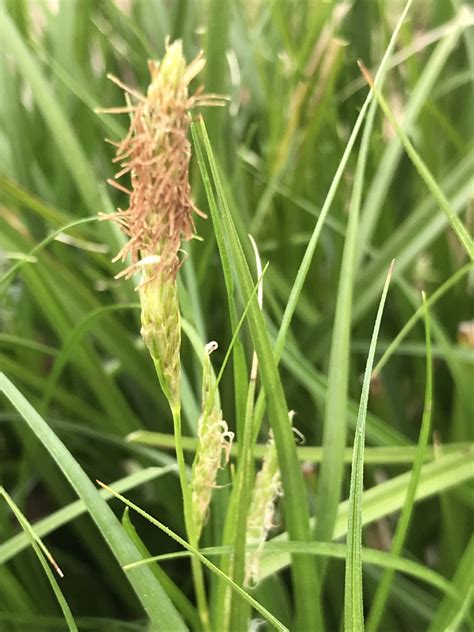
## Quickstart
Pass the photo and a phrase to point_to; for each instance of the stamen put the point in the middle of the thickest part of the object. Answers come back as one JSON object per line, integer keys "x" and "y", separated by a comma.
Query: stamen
{"x": 126, "y": 88}
{"x": 118, "y": 186}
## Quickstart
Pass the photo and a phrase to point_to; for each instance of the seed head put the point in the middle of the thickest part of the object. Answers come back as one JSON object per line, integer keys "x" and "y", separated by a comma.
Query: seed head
{"x": 156, "y": 153}
{"x": 214, "y": 443}
{"x": 155, "y": 156}
{"x": 260, "y": 520}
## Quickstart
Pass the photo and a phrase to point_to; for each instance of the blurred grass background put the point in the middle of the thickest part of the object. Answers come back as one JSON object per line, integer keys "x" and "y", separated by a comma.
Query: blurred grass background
{"x": 69, "y": 333}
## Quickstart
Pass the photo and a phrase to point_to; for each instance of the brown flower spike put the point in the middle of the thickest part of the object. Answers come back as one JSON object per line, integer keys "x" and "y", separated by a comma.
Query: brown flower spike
{"x": 156, "y": 153}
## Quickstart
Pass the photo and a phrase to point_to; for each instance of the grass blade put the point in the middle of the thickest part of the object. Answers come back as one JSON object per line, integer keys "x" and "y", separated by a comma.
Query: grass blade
{"x": 156, "y": 603}
{"x": 182, "y": 603}
{"x": 43, "y": 555}
{"x": 59, "y": 518}
{"x": 385, "y": 172}
{"x": 462, "y": 580}
{"x": 60, "y": 127}
{"x": 390, "y": 455}
{"x": 382, "y": 500}
{"x": 456, "y": 622}
{"x": 334, "y": 551}
{"x": 353, "y": 603}
{"x": 28, "y": 258}
{"x": 335, "y": 418}
{"x": 383, "y": 588}
{"x": 296, "y": 509}
{"x": 441, "y": 291}
{"x": 415, "y": 235}
{"x": 425, "y": 174}
{"x": 263, "y": 611}
{"x": 313, "y": 242}
{"x": 69, "y": 345}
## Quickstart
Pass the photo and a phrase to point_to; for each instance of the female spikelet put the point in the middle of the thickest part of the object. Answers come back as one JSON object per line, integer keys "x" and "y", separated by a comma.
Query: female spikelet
{"x": 214, "y": 443}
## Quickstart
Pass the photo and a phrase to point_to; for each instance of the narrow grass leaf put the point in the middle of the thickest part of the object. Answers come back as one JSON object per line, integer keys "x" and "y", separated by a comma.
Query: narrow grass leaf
{"x": 383, "y": 588}
{"x": 51, "y": 237}
{"x": 437, "y": 294}
{"x": 353, "y": 602}
{"x": 335, "y": 417}
{"x": 177, "y": 596}
{"x": 444, "y": 473}
{"x": 69, "y": 345}
{"x": 60, "y": 127}
{"x": 390, "y": 455}
{"x": 12, "y": 191}
{"x": 388, "y": 162}
{"x": 313, "y": 242}
{"x": 455, "y": 624}
{"x": 156, "y": 603}
{"x": 315, "y": 382}
{"x": 416, "y": 235}
{"x": 334, "y": 551}
{"x": 296, "y": 508}
{"x": 194, "y": 552}
{"x": 448, "y": 609}
{"x": 422, "y": 169}
{"x": 43, "y": 556}
{"x": 67, "y": 514}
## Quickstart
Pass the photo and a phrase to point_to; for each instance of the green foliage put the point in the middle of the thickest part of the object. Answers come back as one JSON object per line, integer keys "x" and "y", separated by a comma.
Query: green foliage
{"x": 328, "y": 212}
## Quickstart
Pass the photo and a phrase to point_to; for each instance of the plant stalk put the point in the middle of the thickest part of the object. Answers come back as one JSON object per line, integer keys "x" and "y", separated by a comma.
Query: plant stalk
{"x": 196, "y": 567}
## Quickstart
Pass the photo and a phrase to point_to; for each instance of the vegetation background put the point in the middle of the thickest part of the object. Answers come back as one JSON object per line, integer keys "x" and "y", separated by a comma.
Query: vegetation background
{"x": 69, "y": 332}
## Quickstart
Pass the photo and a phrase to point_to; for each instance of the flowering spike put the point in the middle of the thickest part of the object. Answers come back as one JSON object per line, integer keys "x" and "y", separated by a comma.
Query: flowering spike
{"x": 214, "y": 442}
{"x": 260, "y": 519}
{"x": 156, "y": 152}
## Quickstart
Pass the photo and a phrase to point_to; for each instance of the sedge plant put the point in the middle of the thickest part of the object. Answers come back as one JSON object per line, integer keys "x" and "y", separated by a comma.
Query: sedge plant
{"x": 155, "y": 154}
{"x": 334, "y": 175}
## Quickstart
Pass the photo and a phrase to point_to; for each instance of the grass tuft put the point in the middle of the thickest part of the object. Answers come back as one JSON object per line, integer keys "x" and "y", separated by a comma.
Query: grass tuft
{"x": 333, "y": 175}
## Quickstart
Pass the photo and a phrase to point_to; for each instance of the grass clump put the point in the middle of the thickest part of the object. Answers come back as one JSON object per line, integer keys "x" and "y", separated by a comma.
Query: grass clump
{"x": 105, "y": 358}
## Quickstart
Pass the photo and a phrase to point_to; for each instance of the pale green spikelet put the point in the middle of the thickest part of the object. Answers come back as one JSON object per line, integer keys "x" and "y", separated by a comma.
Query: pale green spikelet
{"x": 260, "y": 520}
{"x": 161, "y": 331}
{"x": 213, "y": 449}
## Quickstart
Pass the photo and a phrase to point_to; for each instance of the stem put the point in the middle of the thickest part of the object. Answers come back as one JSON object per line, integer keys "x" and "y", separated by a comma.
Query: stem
{"x": 198, "y": 575}
{"x": 239, "y": 610}
{"x": 236, "y": 524}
